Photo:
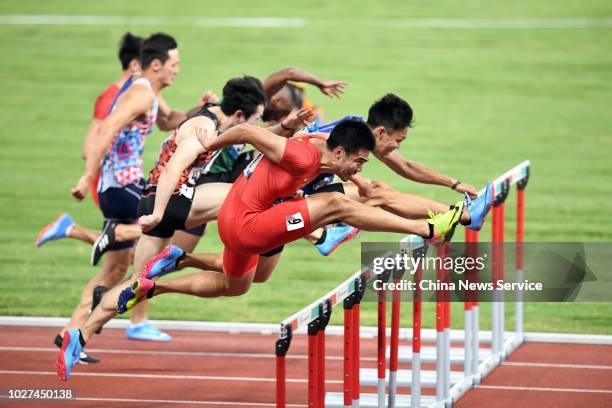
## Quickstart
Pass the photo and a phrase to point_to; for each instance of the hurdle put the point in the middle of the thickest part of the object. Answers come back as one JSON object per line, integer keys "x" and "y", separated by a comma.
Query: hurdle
{"x": 449, "y": 385}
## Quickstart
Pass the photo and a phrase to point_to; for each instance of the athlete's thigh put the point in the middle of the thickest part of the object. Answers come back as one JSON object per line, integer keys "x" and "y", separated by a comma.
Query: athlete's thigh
{"x": 265, "y": 267}
{"x": 324, "y": 208}
{"x": 238, "y": 265}
{"x": 278, "y": 225}
{"x": 351, "y": 190}
{"x": 206, "y": 203}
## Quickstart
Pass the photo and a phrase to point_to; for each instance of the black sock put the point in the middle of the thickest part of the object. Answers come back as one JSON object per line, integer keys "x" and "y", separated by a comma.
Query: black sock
{"x": 81, "y": 339}
{"x": 322, "y": 239}
{"x": 451, "y": 207}
{"x": 466, "y": 222}
{"x": 431, "y": 231}
{"x": 58, "y": 341}
{"x": 150, "y": 292}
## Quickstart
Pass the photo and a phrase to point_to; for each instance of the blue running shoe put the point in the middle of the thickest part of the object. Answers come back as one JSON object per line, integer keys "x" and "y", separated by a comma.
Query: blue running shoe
{"x": 164, "y": 262}
{"x": 69, "y": 354}
{"x": 56, "y": 230}
{"x": 479, "y": 208}
{"x": 146, "y": 331}
{"x": 334, "y": 236}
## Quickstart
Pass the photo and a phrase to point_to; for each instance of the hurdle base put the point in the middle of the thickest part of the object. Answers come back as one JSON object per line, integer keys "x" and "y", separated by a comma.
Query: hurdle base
{"x": 369, "y": 377}
{"x": 336, "y": 400}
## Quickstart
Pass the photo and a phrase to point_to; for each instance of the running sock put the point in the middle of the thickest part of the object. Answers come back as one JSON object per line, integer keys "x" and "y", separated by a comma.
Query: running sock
{"x": 466, "y": 222}
{"x": 150, "y": 292}
{"x": 431, "y": 231}
{"x": 179, "y": 259}
{"x": 81, "y": 339}
{"x": 58, "y": 341}
{"x": 322, "y": 239}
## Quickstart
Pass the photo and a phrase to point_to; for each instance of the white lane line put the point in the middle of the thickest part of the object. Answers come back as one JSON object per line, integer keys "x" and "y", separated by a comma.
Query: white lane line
{"x": 151, "y": 21}
{"x": 185, "y": 402}
{"x": 512, "y": 388}
{"x": 281, "y": 22}
{"x": 177, "y": 353}
{"x": 554, "y": 365}
{"x": 521, "y": 24}
{"x": 168, "y": 376}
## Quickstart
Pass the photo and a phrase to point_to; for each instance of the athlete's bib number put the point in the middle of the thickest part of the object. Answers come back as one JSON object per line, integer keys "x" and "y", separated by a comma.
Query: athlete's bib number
{"x": 294, "y": 221}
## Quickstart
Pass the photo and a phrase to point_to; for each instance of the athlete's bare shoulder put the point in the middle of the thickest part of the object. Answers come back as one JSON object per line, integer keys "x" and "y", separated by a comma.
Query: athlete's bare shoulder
{"x": 190, "y": 128}
{"x": 138, "y": 97}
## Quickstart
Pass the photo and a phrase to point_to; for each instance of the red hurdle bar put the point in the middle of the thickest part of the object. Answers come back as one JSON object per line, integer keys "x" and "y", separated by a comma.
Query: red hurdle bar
{"x": 325, "y": 316}
{"x": 348, "y": 350}
{"x": 313, "y": 364}
{"x": 359, "y": 292}
{"x": 282, "y": 346}
{"x": 415, "y": 390}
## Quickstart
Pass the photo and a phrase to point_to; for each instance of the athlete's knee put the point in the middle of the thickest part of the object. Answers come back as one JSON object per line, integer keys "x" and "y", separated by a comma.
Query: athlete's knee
{"x": 382, "y": 193}
{"x": 380, "y": 185}
{"x": 263, "y": 275}
{"x": 232, "y": 290}
{"x": 115, "y": 273}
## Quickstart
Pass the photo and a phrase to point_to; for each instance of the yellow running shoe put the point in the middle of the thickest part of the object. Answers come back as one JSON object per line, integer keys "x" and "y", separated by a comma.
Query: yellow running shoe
{"x": 138, "y": 291}
{"x": 444, "y": 224}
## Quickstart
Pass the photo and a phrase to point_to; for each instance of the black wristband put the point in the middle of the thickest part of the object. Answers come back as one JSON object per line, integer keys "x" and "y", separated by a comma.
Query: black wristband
{"x": 285, "y": 127}
{"x": 455, "y": 184}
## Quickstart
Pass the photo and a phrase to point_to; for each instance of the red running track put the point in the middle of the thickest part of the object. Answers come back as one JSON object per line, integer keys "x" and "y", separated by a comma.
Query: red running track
{"x": 548, "y": 375}
{"x": 237, "y": 370}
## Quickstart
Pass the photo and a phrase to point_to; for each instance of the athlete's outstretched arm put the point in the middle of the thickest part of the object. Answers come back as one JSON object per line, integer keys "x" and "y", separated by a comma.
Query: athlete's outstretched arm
{"x": 134, "y": 102}
{"x": 422, "y": 174}
{"x": 187, "y": 149}
{"x": 276, "y": 80}
{"x": 296, "y": 119}
{"x": 271, "y": 145}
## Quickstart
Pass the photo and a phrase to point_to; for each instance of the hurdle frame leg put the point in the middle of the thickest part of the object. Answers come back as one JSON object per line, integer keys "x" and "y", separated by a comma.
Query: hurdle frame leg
{"x": 281, "y": 349}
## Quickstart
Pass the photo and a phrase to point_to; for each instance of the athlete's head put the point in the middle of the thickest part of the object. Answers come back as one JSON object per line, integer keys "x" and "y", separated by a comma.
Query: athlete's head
{"x": 281, "y": 104}
{"x": 350, "y": 144}
{"x": 129, "y": 52}
{"x": 243, "y": 100}
{"x": 159, "y": 55}
{"x": 389, "y": 117}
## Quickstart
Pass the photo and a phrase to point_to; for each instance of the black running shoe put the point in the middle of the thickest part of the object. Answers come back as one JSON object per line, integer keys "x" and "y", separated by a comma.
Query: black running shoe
{"x": 84, "y": 358}
{"x": 104, "y": 242}
{"x": 98, "y": 292}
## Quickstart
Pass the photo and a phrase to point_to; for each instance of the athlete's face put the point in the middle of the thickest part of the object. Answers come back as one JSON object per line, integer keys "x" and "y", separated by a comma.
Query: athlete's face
{"x": 349, "y": 165}
{"x": 170, "y": 69}
{"x": 238, "y": 117}
{"x": 387, "y": 140}
{"x": 255, "y": 118}
{"x": 280, "y": 105}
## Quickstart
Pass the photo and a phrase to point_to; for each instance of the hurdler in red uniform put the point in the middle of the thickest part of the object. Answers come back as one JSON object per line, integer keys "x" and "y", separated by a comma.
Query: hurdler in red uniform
{"x": 249, "y": 223}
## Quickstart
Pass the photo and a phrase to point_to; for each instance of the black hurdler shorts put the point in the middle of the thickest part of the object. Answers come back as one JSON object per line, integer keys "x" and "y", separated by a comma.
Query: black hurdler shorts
{"x": 174, "y": 217}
